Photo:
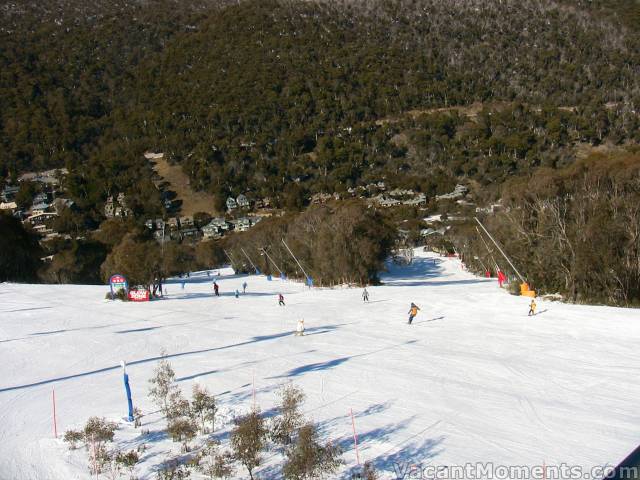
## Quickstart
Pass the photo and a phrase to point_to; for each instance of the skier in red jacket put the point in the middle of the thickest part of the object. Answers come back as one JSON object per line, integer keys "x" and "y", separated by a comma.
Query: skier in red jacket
{"x": 501, "y": 278}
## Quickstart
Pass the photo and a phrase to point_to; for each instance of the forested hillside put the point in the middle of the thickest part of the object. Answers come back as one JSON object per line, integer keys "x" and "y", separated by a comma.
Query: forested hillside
{"x": 240, "y": 95}
{"x": 288, "y": 98}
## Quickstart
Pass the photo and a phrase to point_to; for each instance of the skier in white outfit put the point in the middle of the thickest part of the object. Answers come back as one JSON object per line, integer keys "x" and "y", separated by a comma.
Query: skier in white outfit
{"x": 300, "y": 328}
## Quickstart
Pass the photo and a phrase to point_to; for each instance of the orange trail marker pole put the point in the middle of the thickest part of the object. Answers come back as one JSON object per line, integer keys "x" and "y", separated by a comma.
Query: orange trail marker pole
{"x": 355, "y": 436}
{"x": 55, "y": 421}
{"x": 253, "y": 381}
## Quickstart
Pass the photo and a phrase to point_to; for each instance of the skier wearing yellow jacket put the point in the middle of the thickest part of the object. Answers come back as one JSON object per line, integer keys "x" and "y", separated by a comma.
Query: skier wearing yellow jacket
{"x": 413, "y": 311}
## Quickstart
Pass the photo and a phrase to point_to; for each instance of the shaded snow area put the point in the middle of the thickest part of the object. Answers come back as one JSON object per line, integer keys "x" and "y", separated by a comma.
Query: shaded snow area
{"x": 474, "y": 379}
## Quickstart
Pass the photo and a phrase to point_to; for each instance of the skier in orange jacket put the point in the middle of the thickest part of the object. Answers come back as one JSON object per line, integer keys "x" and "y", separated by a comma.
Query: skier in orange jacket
{"x": 413, "y": 311}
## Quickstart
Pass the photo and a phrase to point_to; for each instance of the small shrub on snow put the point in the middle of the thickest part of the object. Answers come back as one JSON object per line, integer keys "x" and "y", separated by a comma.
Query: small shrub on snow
{"x": 215, "y": 464}
{"x": 178, "y": 406}
{"x": 163, "y": 385}
{"x": 203, "y": 407}
{"x": 137, "y": 417}
{"x": 121, "y": 295}
{"x": 248, "y": 439}
{"x": 172, "y": 470}
{"x": 112, "y": 467}
{"x": 73, "y": 437}
{"x": 369, "y": 472}
{"x": 129, "y": 461}
{"x": 308, "y": 458}
{"x": 99, "y": 458}
{"x": 290, "y": 418}
{"x": 182, "y": 429}
{"x": 98, "y": 431}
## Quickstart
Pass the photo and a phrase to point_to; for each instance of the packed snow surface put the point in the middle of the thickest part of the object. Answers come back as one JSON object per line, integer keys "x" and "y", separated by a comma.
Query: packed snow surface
{"x": 474, "y": 379}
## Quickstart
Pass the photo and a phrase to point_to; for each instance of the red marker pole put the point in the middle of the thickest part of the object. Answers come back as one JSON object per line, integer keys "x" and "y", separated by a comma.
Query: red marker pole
{"x": 253, "y": 388}
{"x": 55, "y": 421}
{"x": 355, "y": 436}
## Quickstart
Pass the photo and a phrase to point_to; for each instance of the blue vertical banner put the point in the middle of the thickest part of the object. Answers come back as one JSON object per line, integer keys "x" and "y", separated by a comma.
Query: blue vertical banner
{"x": 127, "y": 389}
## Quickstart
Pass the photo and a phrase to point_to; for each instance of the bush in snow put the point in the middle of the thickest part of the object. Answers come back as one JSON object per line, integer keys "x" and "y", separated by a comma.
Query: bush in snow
{"x": 129, "y": 461}
{"x": 290, "y": 417}
{"x": 112, "y": 467}
{"x": 215, "y": 464}
{"x": 137, "y": 417}
{"x": 203, "y": 407}
{"x": 99, "y": 459}
{"x": 308, "y": 458}
{"x": 248, "y": 439}
{"x": 163, "y": 385}
{"x": 172, "y": 470}
{"x": 118, "y": 461}
{"x": 182, "y": 429}
{"x": 73, "y": 437}
{"x": 178, "y": 406}
{"x": 120, "y": 294}
{"x": 98, "y": 431}
{"x": 369, "y": 472}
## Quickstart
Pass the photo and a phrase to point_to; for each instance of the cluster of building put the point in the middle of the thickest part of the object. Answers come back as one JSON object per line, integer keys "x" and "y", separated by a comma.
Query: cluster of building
{"x": 399, "y": 197}
{"x": 117, "y": 207}
{"x": 458, "y": 193}
{"x": 45, "y": 205}
{"x": 181, "y": 228}
{"x": 241, "y": 202}
{"x": 376, "y": 194}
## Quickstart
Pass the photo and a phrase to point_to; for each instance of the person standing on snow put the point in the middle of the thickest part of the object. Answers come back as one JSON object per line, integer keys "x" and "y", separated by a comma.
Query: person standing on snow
{"x": 237, "y": 293}
{"x": 182, "y": 284}
{"x": 244, "y": 287}
{"x": 365, "y": 295}
{"x": 532, "y": 307}
{"x": 281, "y": 300}
{"x": 300, "y": 328}
{"x": 216, "y": 289}
{"x": 413, "y": 311}
{"x": 501, "y": 278}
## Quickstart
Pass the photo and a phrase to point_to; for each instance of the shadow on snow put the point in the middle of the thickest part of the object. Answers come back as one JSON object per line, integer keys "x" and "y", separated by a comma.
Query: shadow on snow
{"x": 253, "y": 340}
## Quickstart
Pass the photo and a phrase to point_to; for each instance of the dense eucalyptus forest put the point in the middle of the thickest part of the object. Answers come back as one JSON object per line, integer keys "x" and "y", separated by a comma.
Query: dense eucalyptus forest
{"x": 287, "y": 98}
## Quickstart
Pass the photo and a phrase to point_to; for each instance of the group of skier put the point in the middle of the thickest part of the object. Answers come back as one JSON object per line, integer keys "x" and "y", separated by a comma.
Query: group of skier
{"x": 413, "y": 309}
{"x": 216, "y": 292}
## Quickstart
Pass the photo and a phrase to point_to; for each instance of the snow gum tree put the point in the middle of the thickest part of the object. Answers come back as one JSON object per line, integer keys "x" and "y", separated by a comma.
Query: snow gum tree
{"x": 310, "y": 459}
{"x": 163, "y": 385}
{"x": 215, "y": 464}
{"x": 248, "y": 440}
{"x": 203, "y": 407}
{"x": 290, "y": 418}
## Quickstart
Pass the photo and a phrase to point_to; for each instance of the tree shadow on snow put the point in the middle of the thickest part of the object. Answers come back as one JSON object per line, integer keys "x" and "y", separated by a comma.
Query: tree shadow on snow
{"x": 418, "y": 268}
{"x": 253, "y": 340}
{"x": 136, "y": 330}
{"x": 437, "y": 283}
{"x": 418, "y": 273}
{"x": 335, "y": 362}
{"x": 408, "y": 461}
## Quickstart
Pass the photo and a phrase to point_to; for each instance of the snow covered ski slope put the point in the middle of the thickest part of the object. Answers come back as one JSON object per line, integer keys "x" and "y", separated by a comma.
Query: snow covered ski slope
{"x": 472, "y": 380}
